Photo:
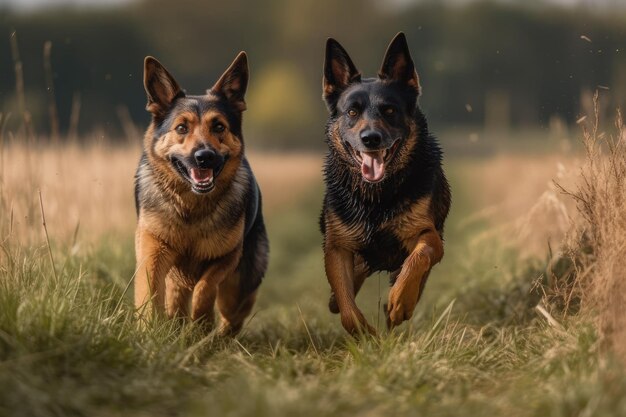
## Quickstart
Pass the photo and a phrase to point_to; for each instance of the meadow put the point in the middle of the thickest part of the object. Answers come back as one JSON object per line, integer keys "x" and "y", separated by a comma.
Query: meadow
{"x": 505, "y": 326}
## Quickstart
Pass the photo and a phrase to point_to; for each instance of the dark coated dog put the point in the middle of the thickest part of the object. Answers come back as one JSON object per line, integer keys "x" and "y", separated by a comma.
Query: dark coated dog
{"x": 386, "y": 193}
{"x": 200, "y": 233}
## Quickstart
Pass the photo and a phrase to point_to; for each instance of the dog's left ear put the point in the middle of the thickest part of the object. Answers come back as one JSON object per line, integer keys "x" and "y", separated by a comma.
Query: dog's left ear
{"x": 234, "y": 82}
{"x": 398, "y": 64}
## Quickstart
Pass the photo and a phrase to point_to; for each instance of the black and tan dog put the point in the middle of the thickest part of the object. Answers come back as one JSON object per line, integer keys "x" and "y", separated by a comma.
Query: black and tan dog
{"x": 386, "y": 194}
{"x": 200, "y": 232}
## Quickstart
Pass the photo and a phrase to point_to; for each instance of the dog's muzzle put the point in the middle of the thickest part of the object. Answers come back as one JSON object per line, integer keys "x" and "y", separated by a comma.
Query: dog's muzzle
{"x": 201, "y": 170}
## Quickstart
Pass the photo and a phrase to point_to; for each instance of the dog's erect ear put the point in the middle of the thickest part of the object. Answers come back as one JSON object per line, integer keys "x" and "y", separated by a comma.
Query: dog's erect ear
{"x": 398, "y": 65}
{"x": 234, "y": 82}
{"x": 339, "y": 72}
{"x": 161, "y": 88}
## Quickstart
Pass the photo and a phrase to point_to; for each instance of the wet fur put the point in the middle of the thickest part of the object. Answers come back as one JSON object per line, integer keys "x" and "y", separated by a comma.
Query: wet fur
{"x": 395, "y": 225}
{"x": 194, "y": 250}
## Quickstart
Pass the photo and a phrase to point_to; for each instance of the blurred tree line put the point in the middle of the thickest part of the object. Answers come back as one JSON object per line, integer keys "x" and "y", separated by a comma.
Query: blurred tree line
{"x": 480, "y": 63}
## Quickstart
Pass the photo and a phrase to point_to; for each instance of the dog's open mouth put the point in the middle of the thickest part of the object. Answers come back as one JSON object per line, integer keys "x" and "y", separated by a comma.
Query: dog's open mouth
{"x": 373, "y": 163}
{"x": 201, "y": 180}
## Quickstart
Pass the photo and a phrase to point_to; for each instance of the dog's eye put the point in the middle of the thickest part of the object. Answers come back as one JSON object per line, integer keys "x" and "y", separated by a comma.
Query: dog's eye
{"x": 389, "y": 111}
{"x": 219, "y": 128}
{"x": 352, "y": 113}
{"x": 181, "y": 129}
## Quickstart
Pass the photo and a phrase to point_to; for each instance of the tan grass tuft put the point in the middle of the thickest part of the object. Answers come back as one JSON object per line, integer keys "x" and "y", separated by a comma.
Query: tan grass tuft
{"x": 601, "y": 230}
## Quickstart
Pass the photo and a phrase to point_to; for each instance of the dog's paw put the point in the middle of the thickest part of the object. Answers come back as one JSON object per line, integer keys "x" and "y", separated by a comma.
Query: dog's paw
{"x": 357, "y": 325}
{"x": 332, "y": 304}
{"x": 227, "y": 330}
{"x": 399, "y": 308}
{"x": 396, "y": 314}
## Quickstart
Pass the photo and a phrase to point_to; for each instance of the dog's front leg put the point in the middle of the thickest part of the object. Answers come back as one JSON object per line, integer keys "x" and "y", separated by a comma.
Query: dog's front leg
{"x": 408, "y": 287}
{"x": 361, "y": 272}
{"x": 205, "y": 291}
{"x": 339, "y": 264}
{"x": 154, "y": 260}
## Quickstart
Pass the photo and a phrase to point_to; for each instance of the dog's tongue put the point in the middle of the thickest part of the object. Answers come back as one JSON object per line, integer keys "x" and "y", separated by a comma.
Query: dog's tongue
{"x": 373, "y": 165}
{"x": 201, "y": 175}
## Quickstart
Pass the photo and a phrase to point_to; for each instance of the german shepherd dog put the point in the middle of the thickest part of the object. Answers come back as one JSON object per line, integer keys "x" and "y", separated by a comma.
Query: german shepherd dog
{"x": 200, "y": 233}
{"x": 386, "y": 194}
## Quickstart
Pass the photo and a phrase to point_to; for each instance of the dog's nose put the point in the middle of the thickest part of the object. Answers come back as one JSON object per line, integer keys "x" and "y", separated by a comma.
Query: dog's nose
{"x": 206, "y": 158}
{"x": 371, "y": 139}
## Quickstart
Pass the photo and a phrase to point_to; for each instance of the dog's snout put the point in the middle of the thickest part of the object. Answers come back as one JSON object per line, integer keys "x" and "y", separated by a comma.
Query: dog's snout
{"x": 371, "y": 139}
{"x": 207, "y": 158}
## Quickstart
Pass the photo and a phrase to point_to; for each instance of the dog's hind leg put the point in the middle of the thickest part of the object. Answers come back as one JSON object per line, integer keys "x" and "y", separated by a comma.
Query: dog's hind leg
{"x": 406, "y": 291}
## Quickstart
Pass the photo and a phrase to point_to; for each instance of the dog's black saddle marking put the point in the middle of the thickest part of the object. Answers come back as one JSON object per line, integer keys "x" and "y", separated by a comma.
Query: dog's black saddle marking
{"x": 252, "y": 208}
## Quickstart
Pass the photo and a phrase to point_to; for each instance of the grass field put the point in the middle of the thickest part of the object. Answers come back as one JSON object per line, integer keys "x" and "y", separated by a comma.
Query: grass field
{"x": 477, "y": 344}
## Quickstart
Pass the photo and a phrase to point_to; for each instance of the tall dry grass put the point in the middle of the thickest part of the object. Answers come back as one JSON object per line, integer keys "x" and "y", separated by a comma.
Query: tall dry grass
{"x": 573, "y": 209}
{"x": 600, "y": 232}
{"x": 87, "y": 190}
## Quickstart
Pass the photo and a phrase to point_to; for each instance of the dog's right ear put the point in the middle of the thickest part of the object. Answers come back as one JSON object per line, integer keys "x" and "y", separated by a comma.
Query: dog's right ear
{"x": 339, "y": 73}
{"x": 161, "y": 88}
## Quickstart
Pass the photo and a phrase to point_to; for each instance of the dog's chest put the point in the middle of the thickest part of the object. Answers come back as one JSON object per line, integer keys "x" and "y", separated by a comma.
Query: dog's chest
{"x": 385, "y": 239}
{"x": 200, "y": 238}
{"x": 383, "y": 251}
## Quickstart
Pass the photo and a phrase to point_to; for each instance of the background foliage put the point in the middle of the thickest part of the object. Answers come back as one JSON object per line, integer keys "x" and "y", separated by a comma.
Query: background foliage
{"x": 499, "y": 64}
